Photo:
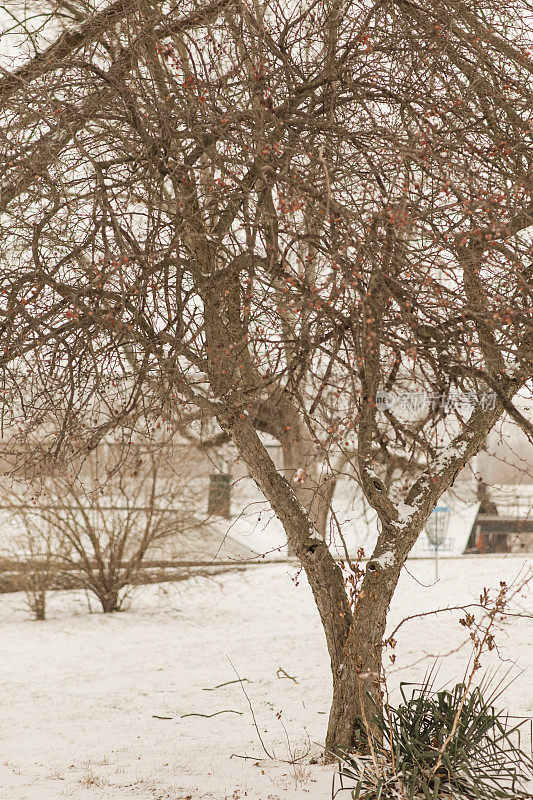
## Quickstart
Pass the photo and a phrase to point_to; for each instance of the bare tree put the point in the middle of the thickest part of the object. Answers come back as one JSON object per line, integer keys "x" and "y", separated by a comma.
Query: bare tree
{"x": 267, "y": 216}
{"x": 33, "y": 554}
{"x": 96, "y": 529}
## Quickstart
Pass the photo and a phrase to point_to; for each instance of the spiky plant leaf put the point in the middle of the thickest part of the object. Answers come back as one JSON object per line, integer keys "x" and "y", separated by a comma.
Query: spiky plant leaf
{"x": 447, "y": 743}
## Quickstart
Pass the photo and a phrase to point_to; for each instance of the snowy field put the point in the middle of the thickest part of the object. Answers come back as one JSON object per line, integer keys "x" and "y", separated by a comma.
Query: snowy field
{"x": 82, "y": 693}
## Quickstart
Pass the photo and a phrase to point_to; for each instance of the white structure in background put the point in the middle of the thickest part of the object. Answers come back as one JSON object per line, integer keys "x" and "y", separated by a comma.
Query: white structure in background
{"x": 505, "y": 466}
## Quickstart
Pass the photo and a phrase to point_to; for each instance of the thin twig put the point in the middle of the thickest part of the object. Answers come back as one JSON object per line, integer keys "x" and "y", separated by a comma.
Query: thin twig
{"x": 434, "y": 656}
{"x": 236, "y": 755}
{"x": 226, "y": 711}
{"x": 251, "y": 710}
{"x": 220, "y": 685}
{"x": 285, "y": 675}
{"x": 435, "y": 611}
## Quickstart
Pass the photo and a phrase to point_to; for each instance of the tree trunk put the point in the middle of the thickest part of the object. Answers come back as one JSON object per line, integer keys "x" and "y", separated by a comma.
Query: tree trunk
{"x": 109, "y": 601}
{"x": 39, "y": 606}
{"x": 352, "y": 708}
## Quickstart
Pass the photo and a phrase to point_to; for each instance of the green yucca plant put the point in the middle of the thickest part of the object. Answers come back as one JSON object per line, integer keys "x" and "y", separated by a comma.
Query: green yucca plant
{"x": 440, "y": 744}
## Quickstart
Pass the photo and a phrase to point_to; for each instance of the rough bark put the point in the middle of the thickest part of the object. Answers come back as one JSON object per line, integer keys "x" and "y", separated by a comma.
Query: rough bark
{"x": 358, "y": 679}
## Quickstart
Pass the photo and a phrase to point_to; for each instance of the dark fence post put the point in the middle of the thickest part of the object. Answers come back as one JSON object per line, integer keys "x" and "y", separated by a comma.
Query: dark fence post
{"x": 219, "y": 495}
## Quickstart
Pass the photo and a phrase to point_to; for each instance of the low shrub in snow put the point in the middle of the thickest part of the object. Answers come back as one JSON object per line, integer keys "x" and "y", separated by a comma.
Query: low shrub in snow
{"x": 437, "y": 745}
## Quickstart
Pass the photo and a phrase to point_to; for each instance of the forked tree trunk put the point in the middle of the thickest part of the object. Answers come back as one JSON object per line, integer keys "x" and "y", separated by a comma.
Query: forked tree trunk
{"x": 354, "y": 641}
{"x": 324, "y": 575}
{"x": 356, "y": 687}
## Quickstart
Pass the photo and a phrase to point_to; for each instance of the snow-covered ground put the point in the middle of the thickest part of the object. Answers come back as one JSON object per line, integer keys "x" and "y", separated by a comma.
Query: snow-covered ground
{"x": 82, "y": 694}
